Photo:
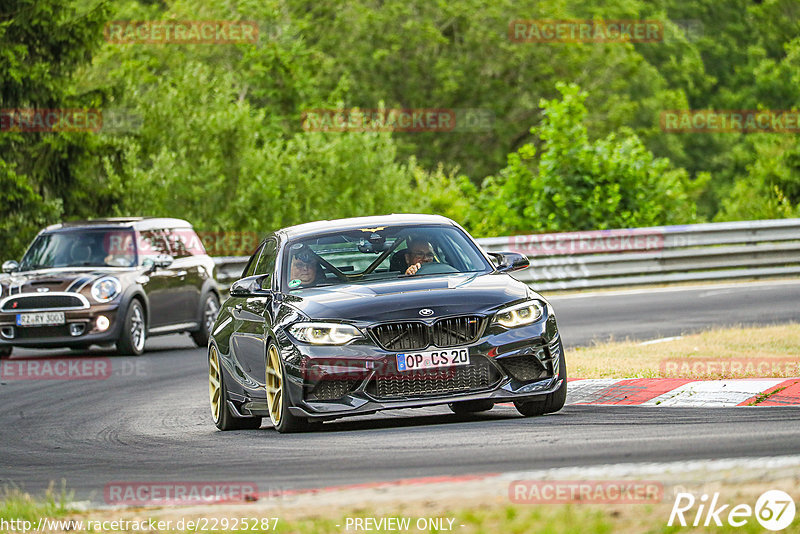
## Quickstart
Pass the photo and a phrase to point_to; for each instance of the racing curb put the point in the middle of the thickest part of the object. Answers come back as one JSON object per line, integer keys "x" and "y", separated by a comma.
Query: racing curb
{"x": 685, "y": 392}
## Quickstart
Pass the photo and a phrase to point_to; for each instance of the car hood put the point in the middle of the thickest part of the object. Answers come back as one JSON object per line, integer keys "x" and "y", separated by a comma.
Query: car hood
{"x": 454, "y": 294}
{"x": 51, "y": 280}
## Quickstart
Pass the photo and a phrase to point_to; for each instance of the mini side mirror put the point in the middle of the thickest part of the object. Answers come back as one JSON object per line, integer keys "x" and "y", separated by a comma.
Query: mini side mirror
{"x": 10, "y": 266}
{"x": 162, "y": 261}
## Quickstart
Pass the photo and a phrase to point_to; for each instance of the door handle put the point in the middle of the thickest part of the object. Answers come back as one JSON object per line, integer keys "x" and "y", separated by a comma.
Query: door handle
{"x": 182, "y": 274}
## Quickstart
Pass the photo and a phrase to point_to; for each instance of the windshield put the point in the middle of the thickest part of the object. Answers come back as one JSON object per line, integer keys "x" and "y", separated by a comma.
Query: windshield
{"x": 90, "y": 248}
{"x": 379, "y": 254}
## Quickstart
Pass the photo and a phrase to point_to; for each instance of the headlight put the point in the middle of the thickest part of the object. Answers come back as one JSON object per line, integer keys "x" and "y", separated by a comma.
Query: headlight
{"x": 520, "y": 314}
{"x": 325, "y": 333}
{"x": 106, "y": 289}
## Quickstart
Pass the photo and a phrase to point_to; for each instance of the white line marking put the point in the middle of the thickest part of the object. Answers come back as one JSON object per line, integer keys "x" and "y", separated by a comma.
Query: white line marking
{"x": 661, "y": 340}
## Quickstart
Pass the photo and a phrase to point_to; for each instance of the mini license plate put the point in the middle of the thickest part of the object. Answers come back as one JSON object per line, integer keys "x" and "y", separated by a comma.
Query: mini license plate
{"x": 412, "y": 361}
{"x": 40, "y": 319}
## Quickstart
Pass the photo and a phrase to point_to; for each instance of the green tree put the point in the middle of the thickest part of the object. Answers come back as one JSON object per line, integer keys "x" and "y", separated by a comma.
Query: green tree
{"x": 579, "y": 184}
{"x": 42, "y": 43}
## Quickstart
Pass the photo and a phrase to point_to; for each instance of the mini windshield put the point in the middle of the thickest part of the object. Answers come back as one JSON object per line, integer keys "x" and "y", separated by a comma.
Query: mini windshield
{"x": 379, "y": 254}
{"x": 90, "y": 248}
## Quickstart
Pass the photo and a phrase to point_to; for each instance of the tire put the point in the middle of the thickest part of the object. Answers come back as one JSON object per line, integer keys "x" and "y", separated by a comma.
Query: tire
{"x": 207, "y": 319}
{"x": 134, "y": 331}
{"x": 221, "y": 413}
{"x": 277, "y": 400}
{"x": 5, "y": 352}
{"x": 554, "y": 401}
{"x": 474, "y": 406}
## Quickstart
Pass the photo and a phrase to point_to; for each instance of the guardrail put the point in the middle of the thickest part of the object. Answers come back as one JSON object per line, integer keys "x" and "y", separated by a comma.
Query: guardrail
{"x": 626, "y": 257}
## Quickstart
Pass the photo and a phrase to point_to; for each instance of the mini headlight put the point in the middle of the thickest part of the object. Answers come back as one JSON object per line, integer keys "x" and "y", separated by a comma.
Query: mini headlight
{"x": 520, "y": 314}
{"x": 106, "y": 289}
{"x": 325, "y": 333}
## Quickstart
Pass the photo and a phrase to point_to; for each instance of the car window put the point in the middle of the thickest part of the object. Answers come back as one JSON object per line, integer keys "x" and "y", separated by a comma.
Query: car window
{"x": 250, "y": 269}
{"x": 383, "y": 253}
{"x": 183, "y": 242}
{"x": 269, "y": 255}
{"x": 81, "y": 248}
{"x": 152, "y": 243}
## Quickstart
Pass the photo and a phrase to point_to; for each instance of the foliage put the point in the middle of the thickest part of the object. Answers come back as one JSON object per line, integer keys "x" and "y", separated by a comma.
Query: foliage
{"x": 579, "y": 184}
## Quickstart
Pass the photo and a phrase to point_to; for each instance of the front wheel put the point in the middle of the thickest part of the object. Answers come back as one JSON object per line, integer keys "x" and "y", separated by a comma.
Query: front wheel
{"x": 218, "y": 395}
{"x": 5, "y": 352}
{"x": 552, "y": 402}
{"x": 207, "y": 320}
{"x": 277, "y": 397}
{"x": 134, "y": 331}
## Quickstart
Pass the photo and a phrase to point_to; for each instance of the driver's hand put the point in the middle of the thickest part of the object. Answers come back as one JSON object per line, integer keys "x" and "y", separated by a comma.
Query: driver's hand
{"x": 413, "y": 268}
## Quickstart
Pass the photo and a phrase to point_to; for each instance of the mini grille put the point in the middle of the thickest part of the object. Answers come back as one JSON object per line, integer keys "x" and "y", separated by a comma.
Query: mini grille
{"x": 523, "y": 367}
{"x": 480, "y": 374}
{"x": 415, "y": 335}
{"x": 42, "y": 302}
{"x": 41, "y": 332}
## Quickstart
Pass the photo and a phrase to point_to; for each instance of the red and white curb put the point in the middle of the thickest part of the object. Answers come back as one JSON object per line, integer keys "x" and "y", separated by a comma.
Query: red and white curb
{"x": 685, "y": 392}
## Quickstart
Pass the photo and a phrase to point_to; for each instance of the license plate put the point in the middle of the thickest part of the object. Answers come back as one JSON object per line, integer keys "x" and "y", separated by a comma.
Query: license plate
{"x": 40, "y": 319}
{"x": 411, "y": 361}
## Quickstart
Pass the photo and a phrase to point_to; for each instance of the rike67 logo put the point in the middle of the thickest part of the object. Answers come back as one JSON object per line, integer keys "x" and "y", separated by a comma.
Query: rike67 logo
{"x": 774, "y": 510}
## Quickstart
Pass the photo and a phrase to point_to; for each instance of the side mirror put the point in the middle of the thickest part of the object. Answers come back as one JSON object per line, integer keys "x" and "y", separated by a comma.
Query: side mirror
{"x": 251, "y": 286}
{"x": 10, "y": 266}
{"x": 162, "y": 261}
{"x": 510, "y": 261}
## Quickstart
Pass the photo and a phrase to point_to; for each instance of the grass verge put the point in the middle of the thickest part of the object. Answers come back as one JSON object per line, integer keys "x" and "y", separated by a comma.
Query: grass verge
{"x": 745, "y": 352}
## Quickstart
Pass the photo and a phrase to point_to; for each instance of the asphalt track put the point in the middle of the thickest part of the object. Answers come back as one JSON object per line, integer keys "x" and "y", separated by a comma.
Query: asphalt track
{"x": 149, "y": 420}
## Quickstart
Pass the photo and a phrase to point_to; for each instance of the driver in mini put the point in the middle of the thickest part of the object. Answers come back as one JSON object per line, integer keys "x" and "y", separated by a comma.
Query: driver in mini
{"x": 419, "y": 251}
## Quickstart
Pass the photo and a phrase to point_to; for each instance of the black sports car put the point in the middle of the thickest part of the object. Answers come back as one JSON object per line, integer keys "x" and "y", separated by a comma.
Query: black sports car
{"x": 348, "y": 317}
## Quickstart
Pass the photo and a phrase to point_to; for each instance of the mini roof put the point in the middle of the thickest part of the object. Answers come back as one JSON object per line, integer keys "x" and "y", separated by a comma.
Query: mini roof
{"x": 136, "y": 223}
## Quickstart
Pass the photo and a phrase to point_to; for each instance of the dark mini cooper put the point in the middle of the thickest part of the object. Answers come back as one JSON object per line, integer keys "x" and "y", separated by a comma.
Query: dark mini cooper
{"x": 108, "y": 281}
{"x": 348, "y": 317}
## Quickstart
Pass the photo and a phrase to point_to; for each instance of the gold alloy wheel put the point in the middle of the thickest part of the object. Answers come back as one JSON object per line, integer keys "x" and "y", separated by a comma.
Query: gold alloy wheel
{"x": 274, "y": 385}
{"x": 214, "y": 383}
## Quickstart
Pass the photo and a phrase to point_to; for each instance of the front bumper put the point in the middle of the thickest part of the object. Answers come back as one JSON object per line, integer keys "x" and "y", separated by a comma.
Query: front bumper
{"x": 330, "y": 382}
{"x": 60, "y": 336}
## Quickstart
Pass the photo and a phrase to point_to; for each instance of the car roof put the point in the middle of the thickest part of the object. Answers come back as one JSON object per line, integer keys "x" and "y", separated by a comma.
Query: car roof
{"x": 355, "y": 223}
{"x": 135, "y": 223}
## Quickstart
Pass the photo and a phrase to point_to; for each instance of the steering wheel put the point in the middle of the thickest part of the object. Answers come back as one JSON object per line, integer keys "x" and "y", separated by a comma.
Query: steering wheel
{"x": 80, "y": 252}
{"x": 436, "y": 268}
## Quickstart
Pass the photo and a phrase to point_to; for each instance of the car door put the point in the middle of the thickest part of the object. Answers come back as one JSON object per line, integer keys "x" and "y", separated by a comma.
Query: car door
{"x": 159, "y": 283}
{"x": 252, "y": 316}
{"x": 188, "y": 280}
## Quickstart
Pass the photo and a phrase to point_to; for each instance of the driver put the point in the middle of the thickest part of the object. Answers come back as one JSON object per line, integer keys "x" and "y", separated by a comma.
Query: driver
{"x": 419, "y": 251}
{"x": 304, "y": 270}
